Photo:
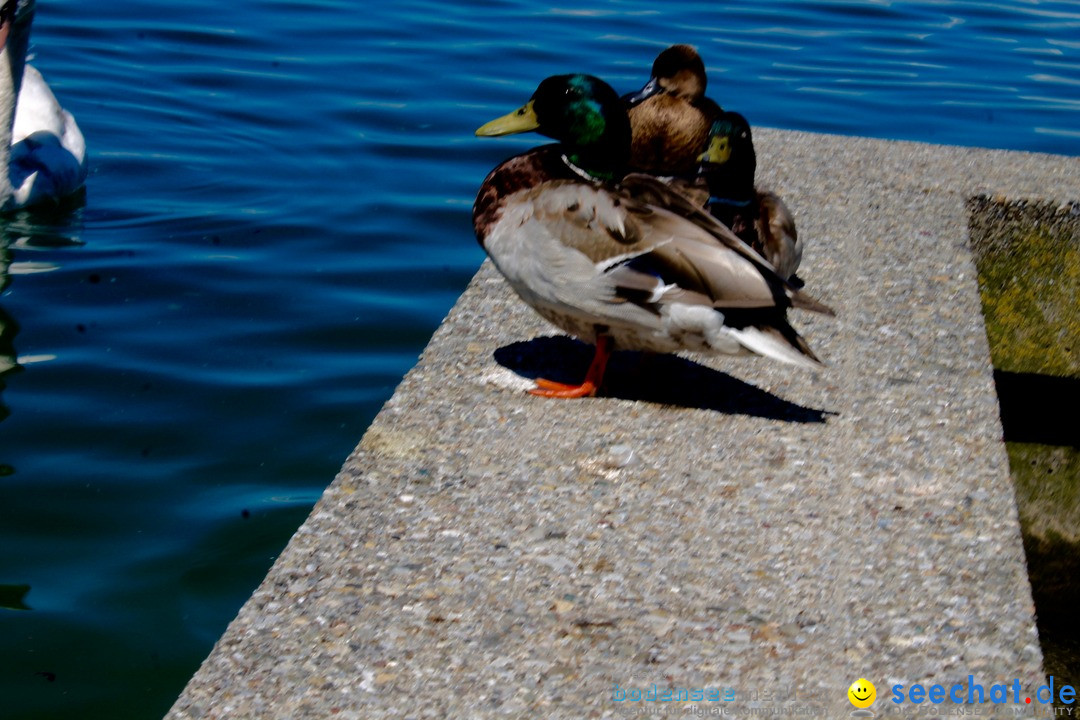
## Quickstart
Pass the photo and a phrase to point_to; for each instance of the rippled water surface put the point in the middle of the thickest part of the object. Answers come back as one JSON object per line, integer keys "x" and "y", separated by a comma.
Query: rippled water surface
{"x": 276, "y": 220}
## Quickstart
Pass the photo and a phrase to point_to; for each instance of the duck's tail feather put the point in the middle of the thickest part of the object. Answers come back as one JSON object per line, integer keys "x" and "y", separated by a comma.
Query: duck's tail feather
{"x": 779, "y": 343}
{"x": 803, "y": 301}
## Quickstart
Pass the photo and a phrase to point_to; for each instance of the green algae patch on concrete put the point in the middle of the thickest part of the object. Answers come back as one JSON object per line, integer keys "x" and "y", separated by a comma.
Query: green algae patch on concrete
{"x": 1028, "y": 259}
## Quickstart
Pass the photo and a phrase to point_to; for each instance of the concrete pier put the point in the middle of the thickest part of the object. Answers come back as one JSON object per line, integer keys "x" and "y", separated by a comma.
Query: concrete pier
{"x": 731, "y": 525}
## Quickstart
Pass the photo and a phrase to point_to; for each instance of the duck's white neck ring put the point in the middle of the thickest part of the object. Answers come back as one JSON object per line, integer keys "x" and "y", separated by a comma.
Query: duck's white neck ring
{"x": 579, "y": 171}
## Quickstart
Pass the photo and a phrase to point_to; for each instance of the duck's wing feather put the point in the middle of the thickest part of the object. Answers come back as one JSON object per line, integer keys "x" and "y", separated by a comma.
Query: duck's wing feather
{"x": 677, "y": 198}
{"x": 687, "y": 257}
{"x": 650, "y": 254}
{"x": 586, "y": 218}
{"x": 695, "y": 191}
{"x": 776, "y": 228}
{"x": 651, "y": 191}
{"x": 587, "y": 257}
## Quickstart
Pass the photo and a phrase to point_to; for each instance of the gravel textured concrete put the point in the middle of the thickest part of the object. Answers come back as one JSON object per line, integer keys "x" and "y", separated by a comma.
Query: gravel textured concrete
{"x": 737, "y": 524}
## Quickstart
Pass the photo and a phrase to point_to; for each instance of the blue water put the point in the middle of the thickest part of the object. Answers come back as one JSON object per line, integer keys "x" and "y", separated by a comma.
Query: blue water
{"x": 276, "y": 219}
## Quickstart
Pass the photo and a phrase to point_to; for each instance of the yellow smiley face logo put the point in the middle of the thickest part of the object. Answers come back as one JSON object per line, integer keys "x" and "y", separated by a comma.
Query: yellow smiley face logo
{"x": 862, "y": 693}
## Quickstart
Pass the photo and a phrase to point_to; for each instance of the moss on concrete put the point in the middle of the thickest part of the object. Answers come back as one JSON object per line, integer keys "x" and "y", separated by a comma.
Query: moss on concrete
{"x": 1028, "y": 259}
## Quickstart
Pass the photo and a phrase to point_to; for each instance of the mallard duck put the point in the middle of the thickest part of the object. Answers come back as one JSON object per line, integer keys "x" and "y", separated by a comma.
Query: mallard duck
{"x": 670, "y": 116}
{"x": 624, "y": 263}
{"x": 44, "y": 152}
{"x": 758, "y": 217}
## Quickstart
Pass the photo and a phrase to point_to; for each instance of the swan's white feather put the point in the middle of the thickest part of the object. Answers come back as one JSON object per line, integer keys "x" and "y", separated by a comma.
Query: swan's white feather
{"x": 46, "y": 159}
{"x": 48, "y": 151}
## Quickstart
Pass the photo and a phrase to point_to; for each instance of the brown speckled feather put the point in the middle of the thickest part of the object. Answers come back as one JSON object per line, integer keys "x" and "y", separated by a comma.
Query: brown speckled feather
{"x": 519, "y": 172}
{"x": 668, "y": 134}
{"x": 776, "y": 236}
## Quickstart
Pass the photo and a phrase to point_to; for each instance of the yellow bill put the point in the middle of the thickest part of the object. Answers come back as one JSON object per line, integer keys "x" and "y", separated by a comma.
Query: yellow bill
{"x": 521, "y": 120}
{"x": 718, "y": 152}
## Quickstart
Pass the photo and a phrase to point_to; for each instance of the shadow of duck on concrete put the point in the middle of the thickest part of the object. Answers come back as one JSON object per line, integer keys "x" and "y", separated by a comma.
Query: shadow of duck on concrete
{"x": 653, "y": 378}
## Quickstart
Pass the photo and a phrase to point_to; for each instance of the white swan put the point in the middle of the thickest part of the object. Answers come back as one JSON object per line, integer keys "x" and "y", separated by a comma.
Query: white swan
{"x": 40, "y": 143}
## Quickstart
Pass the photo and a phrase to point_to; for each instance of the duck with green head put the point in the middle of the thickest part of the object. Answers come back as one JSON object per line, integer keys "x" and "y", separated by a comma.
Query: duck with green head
{"x": 670, "y": 116}
{"x": 621, "y": 261}
{"x": 760, "y": 218}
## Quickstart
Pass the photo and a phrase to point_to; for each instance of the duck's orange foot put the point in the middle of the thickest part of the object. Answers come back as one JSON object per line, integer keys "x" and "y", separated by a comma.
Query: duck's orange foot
{"x": 552, "y": 389}
{"x": 593, "y": 378}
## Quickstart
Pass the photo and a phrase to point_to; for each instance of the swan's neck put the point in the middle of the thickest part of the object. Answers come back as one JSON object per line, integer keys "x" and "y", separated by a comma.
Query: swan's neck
{"x": 12, "y": 62}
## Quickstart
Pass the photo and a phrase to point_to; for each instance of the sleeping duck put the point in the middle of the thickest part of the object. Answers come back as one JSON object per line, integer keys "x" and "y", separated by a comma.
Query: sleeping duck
{"x": 622, "y": 262}
{"x": 670, "y": 116}
{"x": 759, "y": 218}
